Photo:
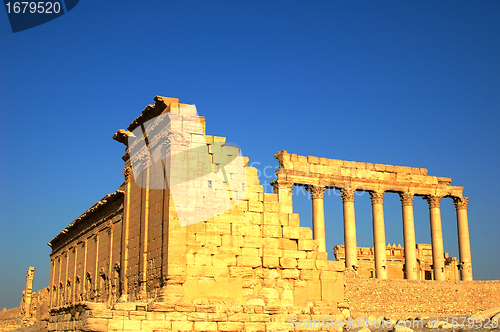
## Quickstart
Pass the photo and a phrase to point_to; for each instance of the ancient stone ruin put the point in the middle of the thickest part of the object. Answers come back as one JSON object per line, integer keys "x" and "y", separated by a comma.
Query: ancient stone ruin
{"x": 135, "y": 261}
{"x": 395, "y": 255}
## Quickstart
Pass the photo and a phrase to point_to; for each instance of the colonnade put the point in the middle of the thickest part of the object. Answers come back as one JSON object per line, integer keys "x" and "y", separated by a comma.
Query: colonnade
{"x": 411, "y": 270}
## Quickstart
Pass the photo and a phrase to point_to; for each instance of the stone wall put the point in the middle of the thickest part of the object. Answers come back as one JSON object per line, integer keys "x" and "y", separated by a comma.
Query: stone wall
{"x": 410, "y": 298}
{"x": 204, "y": 316}
{"x": 84, "y": 253}
{"x": 9, "y": 319}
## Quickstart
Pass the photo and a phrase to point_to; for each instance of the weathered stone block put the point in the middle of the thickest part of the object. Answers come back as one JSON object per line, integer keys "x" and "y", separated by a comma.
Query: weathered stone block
{"x": 182, "y": 326}
{"x": 155, "y": 316}
{"x": 223, "y": 259}
{"x": 154, "y": 325}
{"x": 306, "y": 264}
{"x": 254, "y": 252}
{"x": 287, "y": 244}
{"x": 313, "y": 160}
{"x": 290, "y": 274}
{"x": 231, "y": 241}
{"x": 271, "y": 206}
{"x": 245, "y": 230}
{"x": 205, "y": 326}
{"x": 286, "y": 253}
{"x": 291, "y": 232}
{"x": 271, "y": 218}
{"x": 271, "y": 231}
{"x": 270, "y": 261}
{"x": 294, "y": 220}
{"x": 202, "y": 259}
{"x": 101, "y": 314}
{"x": 288, "y": 263}
{"x": 305, "y": 233}
{"x": 126, "y": 306}
{"x": 247, "y": 261}
{"x": 230, "y": 326}
{"x": 254, "y": 206}
{"x": 252, "y": 242}
{"x": 216, "y": 271}
{"x": 309, "y": 274}
{"x": 254, "y": 218}
{"x": 307, "y": 244}
{"x": 137, "y": 315}
{"x": 270, "y": 198}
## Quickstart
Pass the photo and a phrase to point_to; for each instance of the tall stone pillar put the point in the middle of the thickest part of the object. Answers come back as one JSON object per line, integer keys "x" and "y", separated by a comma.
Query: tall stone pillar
{"x": 26, "y": 303}
{"x": 409, "y": 236}
{"x": 463, "y": 238}
{"x": 379, "y": 234}
{"x": 436, "y": 237}
{"x": 124, "y": 291}
{"x": 318, "y": 214}
{"x": 351, "y": 247}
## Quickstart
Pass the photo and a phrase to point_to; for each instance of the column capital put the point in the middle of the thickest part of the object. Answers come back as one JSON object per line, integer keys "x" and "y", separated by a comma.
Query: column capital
{"x": 316, "y": 191}
{"x": 347, "y": 195}
{"x": 127, "y": 171}
{"x": 461, "y": 202}
{"x": 282, "y": 184}
{"x": 434, "y": 201}
{"x": 377, "y": 197}
{"x": 406, "y": 199}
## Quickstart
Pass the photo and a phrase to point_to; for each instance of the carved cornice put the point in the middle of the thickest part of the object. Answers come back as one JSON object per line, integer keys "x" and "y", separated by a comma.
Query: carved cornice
{"x": 434, "y": 201}
{"x": 316, "y": 192}
{"x": 461, "y": 202}
{"x": 406, "y": 199}
{"x": 152, "y": 111}
{"x": 377, "y": 197}
{"x": 347, "y": 195}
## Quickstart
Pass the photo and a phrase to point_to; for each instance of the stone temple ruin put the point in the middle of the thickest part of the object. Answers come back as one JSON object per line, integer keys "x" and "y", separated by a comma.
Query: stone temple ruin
{"x": 133, "y": 262}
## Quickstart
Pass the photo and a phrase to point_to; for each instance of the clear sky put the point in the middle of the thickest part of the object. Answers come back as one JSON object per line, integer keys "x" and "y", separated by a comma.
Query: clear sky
{"x": 382, "y": 82}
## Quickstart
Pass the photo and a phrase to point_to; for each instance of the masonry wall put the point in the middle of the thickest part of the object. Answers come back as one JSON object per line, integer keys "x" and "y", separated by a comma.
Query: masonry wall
{"x": 204, "y": 317}
{"x": 410, "y": 298}
{"x": 84, "y": 254}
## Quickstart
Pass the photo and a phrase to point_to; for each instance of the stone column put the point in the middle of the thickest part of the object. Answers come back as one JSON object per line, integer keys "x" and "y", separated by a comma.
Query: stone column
{"x": 84, "y": 280}
{"x": 26, "y": 303}
{"x": 284, "y": 190}
{"x": 143, "y": 291}
{"x": 463, "y": 237}
{"x": 318, "y": 213}
{"x": 436, "y": 237}
{"x": 351, "y": 247}
{"x": 379, "y": 234}
{"x": 51, "y": 287}
{"x": 125, "y": 237}
{"x": 409, "y": 236}
{"x": 75, "y": 265}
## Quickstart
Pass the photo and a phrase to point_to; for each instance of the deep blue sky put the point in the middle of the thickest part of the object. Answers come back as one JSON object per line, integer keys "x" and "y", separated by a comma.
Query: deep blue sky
{"x": 382, "y": 82}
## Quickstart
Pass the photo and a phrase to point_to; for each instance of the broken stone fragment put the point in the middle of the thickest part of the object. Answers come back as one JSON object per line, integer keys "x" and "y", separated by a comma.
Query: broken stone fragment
{"x": 122, "y": 136}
